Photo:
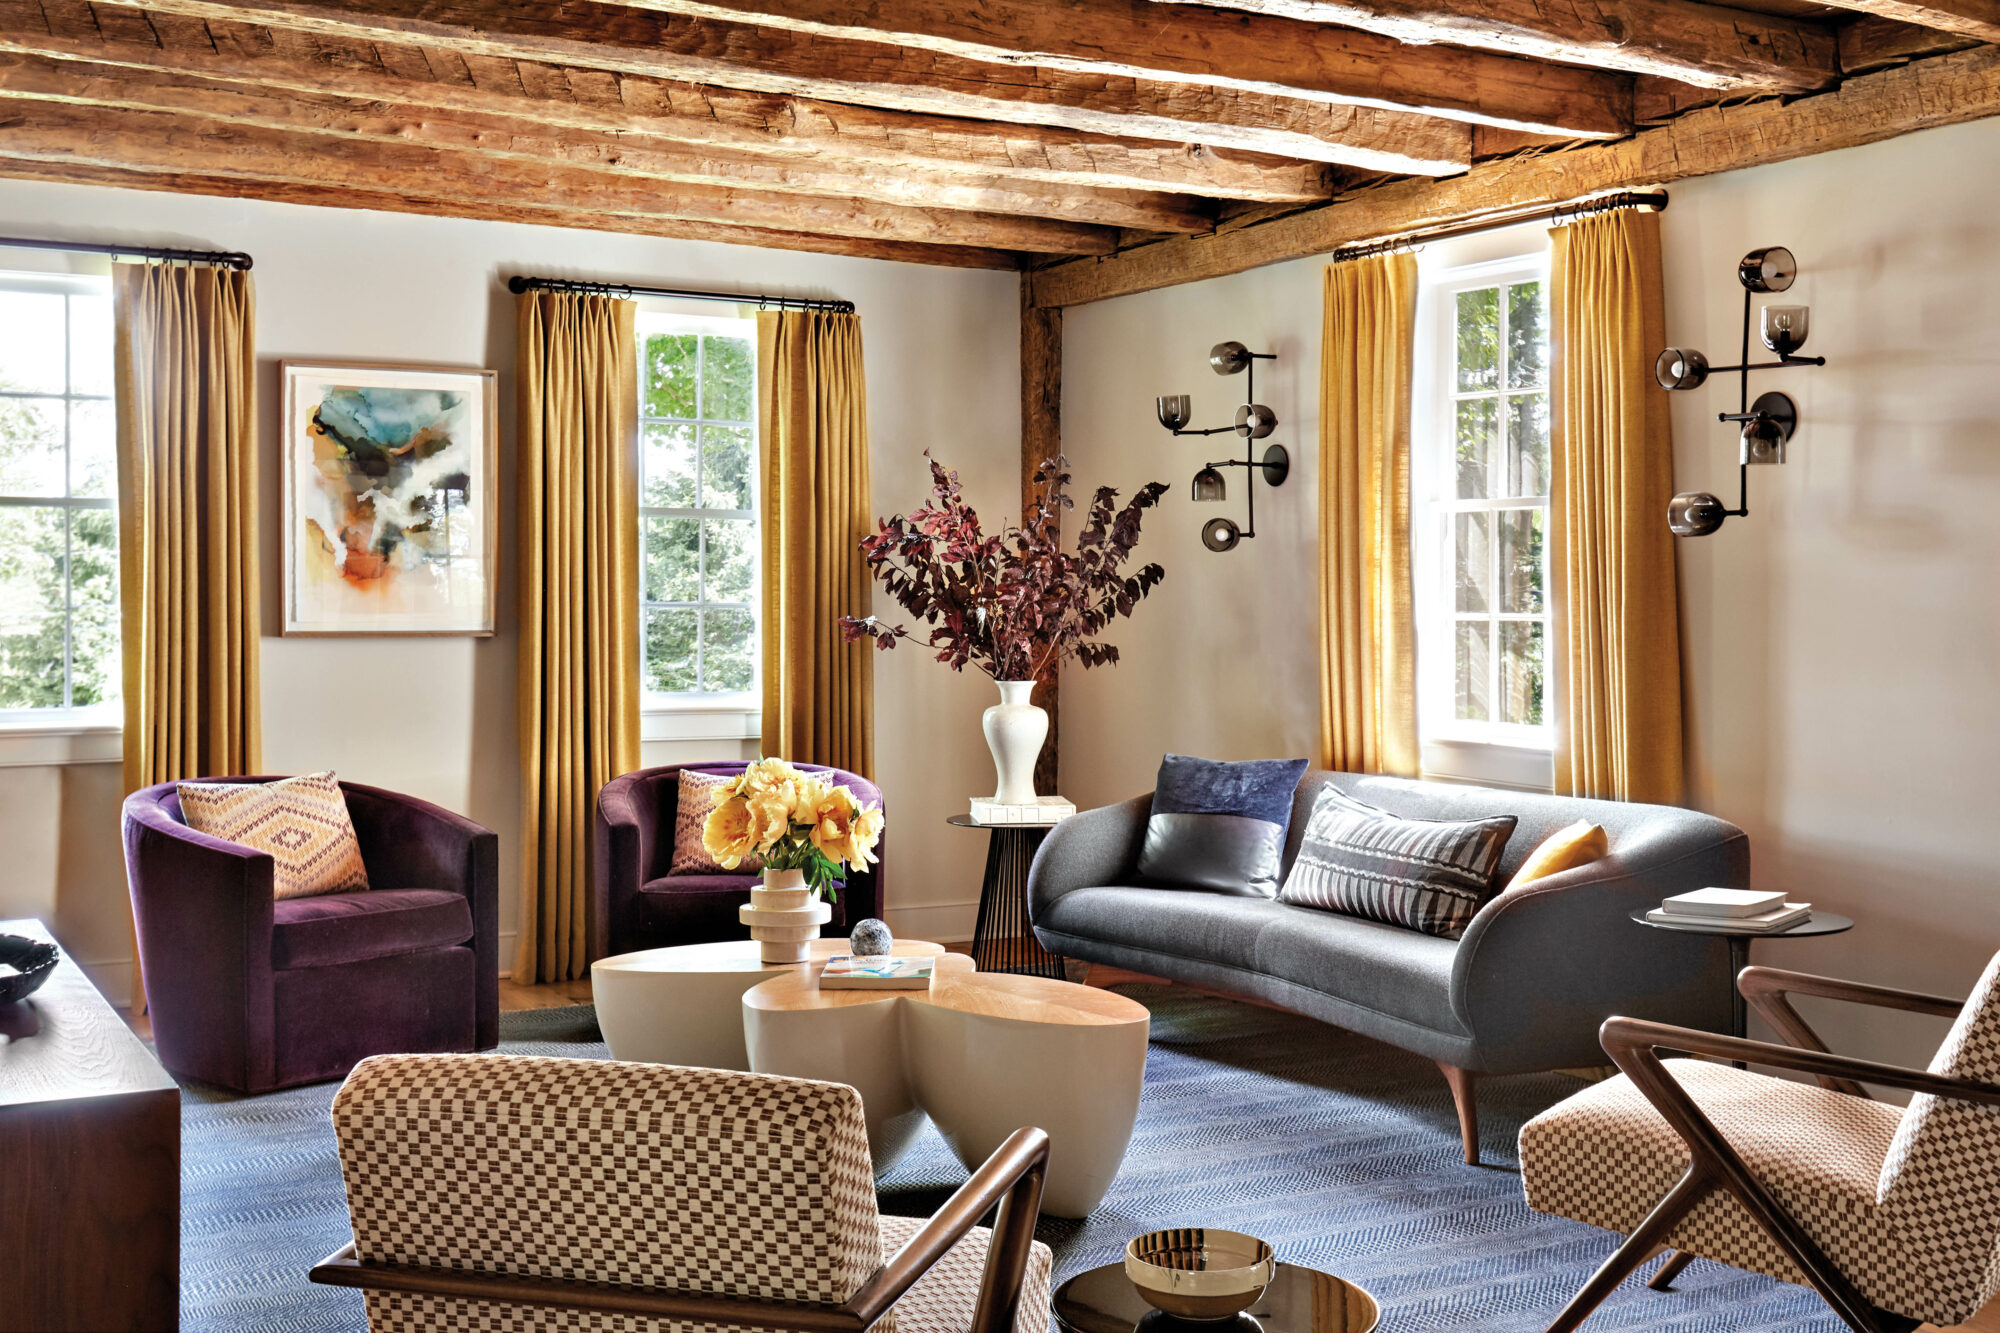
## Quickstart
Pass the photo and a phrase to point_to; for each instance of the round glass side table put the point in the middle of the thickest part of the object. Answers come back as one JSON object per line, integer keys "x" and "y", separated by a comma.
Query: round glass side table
{"x": 1299, "y": 1300}
{"x": 1819, "y": 923}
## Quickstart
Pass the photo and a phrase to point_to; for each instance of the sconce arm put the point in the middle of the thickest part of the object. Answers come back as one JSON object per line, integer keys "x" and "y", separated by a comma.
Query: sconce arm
{"x": 1212, "y": 430}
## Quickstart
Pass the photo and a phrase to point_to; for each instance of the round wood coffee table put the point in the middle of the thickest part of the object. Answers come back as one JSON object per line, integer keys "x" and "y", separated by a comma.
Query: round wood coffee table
{"x": 980, "y": 1053}
{"x": 1299, "y": 1300}
{"x": 682, "y": 1005}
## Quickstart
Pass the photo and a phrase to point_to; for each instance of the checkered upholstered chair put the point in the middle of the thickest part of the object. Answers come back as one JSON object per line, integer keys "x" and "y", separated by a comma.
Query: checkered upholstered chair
{"x": 1891, "y": 1213}
{"x": 514, "y": 1192}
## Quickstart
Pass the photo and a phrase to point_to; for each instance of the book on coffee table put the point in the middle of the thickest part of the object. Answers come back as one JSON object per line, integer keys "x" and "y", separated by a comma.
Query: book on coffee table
{"x": 846, "y": 971}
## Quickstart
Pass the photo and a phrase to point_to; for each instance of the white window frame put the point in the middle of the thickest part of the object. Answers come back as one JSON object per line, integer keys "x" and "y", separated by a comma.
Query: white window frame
{"x": 33, "y": 737}
{"x": 718, "y": 715}
{"x": 1491, "y": 753}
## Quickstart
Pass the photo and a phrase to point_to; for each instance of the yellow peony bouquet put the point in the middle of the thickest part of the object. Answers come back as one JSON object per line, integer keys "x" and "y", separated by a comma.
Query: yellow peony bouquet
{"x": 793, "y": 821}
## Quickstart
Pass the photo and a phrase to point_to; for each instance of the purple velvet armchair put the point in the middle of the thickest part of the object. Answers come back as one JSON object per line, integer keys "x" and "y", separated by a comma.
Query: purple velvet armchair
{"x": 638, "y": 905}
{"x": 255, "y": 994}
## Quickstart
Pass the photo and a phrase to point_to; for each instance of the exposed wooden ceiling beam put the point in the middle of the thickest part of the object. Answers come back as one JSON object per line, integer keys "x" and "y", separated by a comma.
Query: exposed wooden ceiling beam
{"x": 1977, "y": 19}
{"x": 1946, "y": 90}
{"x": 51, "y": 131}
{"x": 289, "y": 192}
{"x": 612, "y": 37}
{"x": 608, "y": 102}
{"x": 1672, "y": 39}
{"x": 1209, "y": 48}
{"x": 1871, "y": 43}
{"x": 510, "y": 138}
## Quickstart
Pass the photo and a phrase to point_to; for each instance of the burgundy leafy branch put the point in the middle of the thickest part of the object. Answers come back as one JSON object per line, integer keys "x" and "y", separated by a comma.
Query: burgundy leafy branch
{"x": 1013, "y": 604}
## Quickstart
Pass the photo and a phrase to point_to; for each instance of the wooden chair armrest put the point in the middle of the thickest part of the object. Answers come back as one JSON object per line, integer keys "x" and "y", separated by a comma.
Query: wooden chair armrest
{"x": 1767, "y": 989}
{"x": 1637, "y": 1041}
{"x": 1011, "y": 1177}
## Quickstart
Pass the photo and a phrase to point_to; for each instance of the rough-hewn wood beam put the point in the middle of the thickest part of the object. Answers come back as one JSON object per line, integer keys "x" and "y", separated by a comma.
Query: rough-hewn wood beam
{"x": 159, "y": 141}
{"x": 382, "y": 201}
{"x": 1673, "y": 39}
{"x": 1977, "y": 19}
{"x": 611, "y": 37}
{"x": 511, "y": 138}
{"x": 1946, "y": 90}
{"x": 1213, "y": 48}
{"x": 608, "y": 102}
{"x": 1041, "y": 440}
{"x": 1871, "y": 43}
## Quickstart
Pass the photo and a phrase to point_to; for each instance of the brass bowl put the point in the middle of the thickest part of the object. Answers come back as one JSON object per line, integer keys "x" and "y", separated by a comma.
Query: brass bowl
{"x": 1200, "y": 1273}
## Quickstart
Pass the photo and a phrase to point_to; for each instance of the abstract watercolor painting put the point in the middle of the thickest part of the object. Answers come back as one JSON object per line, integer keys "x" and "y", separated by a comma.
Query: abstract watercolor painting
{"x": 391, "y": 523}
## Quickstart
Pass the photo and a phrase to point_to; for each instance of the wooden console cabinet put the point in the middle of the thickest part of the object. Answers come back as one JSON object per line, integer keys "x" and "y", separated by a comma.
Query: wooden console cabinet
{"x": 90, "y": 1174}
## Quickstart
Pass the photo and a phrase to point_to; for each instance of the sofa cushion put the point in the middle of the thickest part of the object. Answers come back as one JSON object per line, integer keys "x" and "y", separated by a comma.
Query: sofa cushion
{"x": 719, "y": 883}
{"x": 699, "y": 793}
{"x": 301, "y": 822}
{"x": 1220, "y": 826}
{"x": 1210, "y": 927}
{"x": 334, "y": 928}
{"x": 1421, "y": 874}
{"x": 1393, "y": 971}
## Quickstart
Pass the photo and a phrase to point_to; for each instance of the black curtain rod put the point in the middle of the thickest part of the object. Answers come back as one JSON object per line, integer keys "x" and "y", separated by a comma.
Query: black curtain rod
{"x": 235, "y": 259}
{"x": 519, "y": 284}
{"x": 1605, "y": 203}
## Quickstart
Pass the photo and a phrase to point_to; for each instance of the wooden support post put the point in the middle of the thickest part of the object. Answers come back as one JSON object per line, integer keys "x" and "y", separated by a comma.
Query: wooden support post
{"x": 1041, "y": 440}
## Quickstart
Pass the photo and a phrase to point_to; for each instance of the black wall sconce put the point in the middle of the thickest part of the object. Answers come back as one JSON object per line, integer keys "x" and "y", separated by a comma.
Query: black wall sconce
{"x": 1766, "y": 425}
{"x": 1253, "y": 422}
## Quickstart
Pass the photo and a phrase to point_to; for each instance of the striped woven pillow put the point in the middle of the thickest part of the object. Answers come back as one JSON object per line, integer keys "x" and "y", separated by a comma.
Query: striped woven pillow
{"x": 302, "y": 822}
{"x": 1423, "y": 874}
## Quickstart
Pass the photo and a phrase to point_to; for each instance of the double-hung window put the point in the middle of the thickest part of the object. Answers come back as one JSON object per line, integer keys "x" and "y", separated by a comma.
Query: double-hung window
{"x": 1481, "y": 480}
{"x": 59, "y": 628}
{"x": 698, "y": 510}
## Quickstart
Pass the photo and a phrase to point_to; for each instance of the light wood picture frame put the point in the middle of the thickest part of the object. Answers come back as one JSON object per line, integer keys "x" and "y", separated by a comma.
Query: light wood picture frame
{"x": 390, "y": 483}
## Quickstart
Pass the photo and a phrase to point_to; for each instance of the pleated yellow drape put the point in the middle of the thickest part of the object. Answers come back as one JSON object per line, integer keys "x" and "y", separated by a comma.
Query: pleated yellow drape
{"x": 577, "y": 435}
{"x": 1615, "y": 634}
{"x": 812, "y": 407}
{"x": 187, "y": 524}
{"x": 1367, "y": 657}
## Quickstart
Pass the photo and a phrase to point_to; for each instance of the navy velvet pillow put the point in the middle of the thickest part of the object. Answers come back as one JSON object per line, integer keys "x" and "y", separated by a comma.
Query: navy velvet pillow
{"x": 1220, "y": 826}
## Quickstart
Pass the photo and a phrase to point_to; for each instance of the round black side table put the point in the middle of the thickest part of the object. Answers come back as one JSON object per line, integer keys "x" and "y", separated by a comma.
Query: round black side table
{"x": 1002, "y": 940}
{"x": 1819, "y": 923}
{"x": 1299, "y": 1300}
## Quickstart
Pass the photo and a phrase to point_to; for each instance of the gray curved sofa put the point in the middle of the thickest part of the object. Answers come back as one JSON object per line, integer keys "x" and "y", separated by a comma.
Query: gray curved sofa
{"x": 1526, "y": 987}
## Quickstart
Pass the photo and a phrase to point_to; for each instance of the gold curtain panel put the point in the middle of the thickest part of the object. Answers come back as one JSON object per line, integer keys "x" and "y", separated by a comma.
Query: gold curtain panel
{"x": 1615, "y": 642}
{"x": 1368, "y": 659}
{"x": 577, "y": 429}
{"x": 819, "y": 692}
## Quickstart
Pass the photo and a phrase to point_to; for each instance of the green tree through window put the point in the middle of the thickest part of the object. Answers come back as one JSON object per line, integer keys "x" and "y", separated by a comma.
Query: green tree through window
{"x": 698, "y": 522}
{"x": 58, "y": 476}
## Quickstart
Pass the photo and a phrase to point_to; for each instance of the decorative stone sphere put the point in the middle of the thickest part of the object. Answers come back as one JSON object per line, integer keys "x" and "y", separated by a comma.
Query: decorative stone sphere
{"x": 870, "y": 937}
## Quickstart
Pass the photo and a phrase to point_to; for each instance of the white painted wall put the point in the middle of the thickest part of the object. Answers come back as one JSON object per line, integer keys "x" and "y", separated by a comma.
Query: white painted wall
{"x": 435, "y": 717}
{"x": 1841, "y": 644}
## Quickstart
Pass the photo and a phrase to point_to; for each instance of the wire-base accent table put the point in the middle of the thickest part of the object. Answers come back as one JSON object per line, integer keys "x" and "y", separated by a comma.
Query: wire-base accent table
{"x": 1002, "y": 939}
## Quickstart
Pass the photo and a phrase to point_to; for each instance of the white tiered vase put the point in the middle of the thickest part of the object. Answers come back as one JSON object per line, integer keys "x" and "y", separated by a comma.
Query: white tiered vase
{"x": 1015, "y": 730}
{"x": 784, "y": 916}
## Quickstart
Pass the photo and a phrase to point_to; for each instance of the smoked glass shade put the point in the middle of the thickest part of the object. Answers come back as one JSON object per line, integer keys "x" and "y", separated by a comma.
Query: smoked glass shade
{"x": 1208, "y": 485}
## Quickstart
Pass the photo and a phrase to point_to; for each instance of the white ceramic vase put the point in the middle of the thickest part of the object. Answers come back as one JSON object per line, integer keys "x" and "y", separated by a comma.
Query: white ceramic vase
{"x": 784, "y": 916}
{"x": 1015, "y": 730}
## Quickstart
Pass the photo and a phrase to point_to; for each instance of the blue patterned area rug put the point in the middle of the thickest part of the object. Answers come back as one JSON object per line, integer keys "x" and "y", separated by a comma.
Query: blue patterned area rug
{"x": 1342, "y": 1152}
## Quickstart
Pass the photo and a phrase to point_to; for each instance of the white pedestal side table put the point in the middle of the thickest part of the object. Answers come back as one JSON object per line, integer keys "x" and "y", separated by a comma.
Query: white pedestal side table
{"x": 982, "y": 1053}
{"x": 683, "y": 1005}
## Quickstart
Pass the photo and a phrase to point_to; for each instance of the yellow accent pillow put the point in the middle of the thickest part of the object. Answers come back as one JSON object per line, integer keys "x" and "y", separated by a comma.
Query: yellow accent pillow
{"x": 302, "y": 822}
{"x": 1565, "y": 849}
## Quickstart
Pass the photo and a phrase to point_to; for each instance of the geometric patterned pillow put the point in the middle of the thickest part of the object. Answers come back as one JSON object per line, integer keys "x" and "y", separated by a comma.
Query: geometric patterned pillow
{"x": 302, "y": 822}
{"x": 699, "y": 794}
{"x": 1430, "y": 875}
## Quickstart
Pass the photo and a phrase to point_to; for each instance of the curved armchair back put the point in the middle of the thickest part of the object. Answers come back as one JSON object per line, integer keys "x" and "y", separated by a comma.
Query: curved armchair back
{"x": 634, "y": 833}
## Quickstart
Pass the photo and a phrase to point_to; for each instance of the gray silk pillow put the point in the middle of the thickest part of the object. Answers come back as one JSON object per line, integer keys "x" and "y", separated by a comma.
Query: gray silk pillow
{"x": 1429, "y": 875}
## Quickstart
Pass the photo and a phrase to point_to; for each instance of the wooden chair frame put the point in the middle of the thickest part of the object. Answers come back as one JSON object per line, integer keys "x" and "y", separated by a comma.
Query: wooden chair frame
{"x": 1635, "y": 1046}
{"x": 1011, "y": 1178}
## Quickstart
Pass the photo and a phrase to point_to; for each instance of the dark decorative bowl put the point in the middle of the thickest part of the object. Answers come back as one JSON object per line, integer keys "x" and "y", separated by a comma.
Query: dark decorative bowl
{"x": 32, "y": 960}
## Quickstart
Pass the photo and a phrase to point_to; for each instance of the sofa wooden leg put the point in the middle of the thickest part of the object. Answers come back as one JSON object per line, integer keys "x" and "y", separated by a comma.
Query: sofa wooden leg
{"x": 1461, "y": 1081}
{"x": 1663, "y": 1276}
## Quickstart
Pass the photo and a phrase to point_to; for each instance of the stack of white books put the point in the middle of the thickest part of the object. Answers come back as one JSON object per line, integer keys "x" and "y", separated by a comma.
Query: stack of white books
{"x": 1730, "y": 911}
{"x": 1042, "y": 810}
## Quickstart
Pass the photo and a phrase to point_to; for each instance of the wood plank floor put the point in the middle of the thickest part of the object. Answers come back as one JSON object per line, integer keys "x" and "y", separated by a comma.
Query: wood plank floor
{"x": 556, "y": 994}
